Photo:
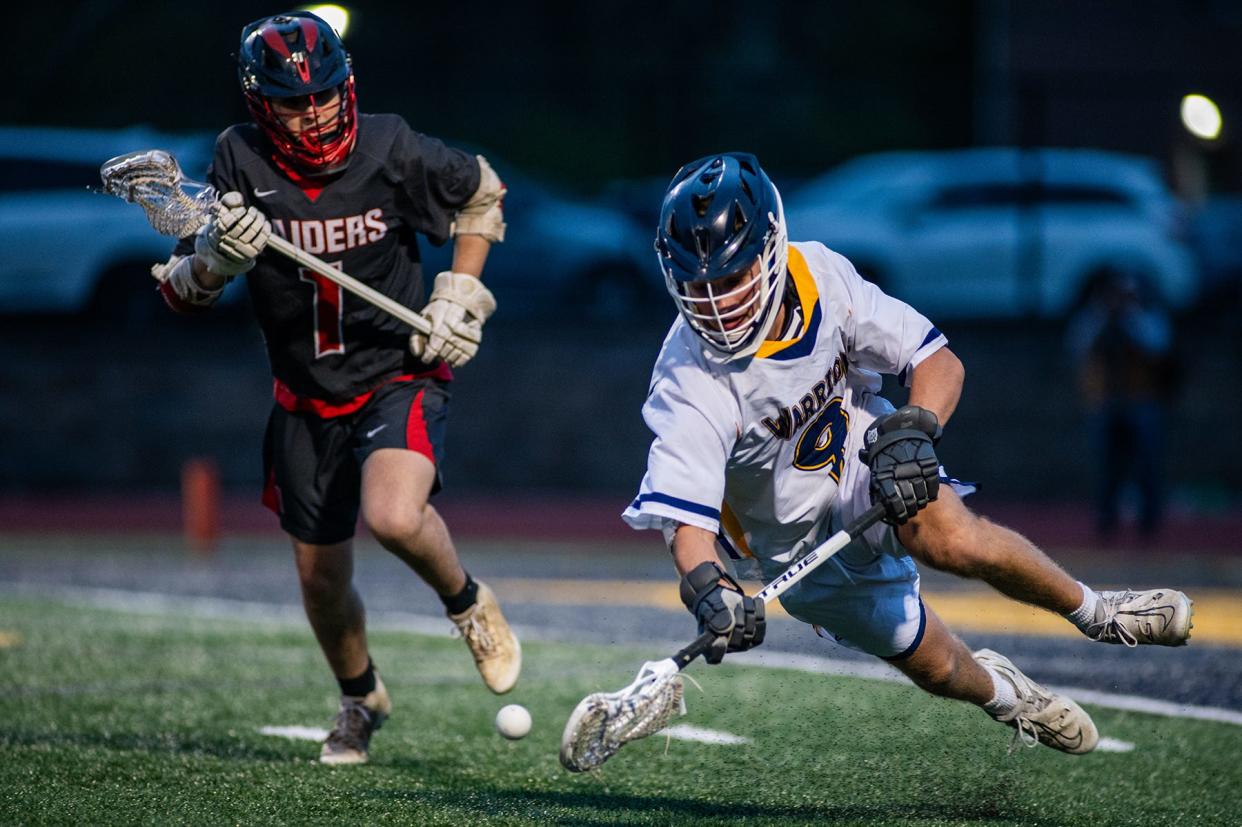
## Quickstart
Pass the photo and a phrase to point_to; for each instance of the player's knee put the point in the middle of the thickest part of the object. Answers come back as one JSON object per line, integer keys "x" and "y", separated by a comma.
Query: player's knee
{"x": 391, "y": 524}
{"x": 954, "y": 546}
{"x": 322, "y": 586}
{"x": 937, "y": 675}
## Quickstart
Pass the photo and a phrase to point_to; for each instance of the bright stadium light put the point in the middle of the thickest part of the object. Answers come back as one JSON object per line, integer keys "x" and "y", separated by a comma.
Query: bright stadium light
{"x": 335, "y": 16}
{"x": 1201, "y": 117}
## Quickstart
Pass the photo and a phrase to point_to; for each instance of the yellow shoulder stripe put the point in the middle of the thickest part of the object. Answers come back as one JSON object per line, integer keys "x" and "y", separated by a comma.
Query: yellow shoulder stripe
{"x": 808, "y": 295}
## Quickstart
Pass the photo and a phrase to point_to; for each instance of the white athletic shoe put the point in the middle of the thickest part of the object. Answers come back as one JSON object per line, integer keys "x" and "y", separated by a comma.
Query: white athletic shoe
{"x": 497, "y": 652}
{"x": 350, "y": 739}
{"x": 1161, "y": 616}
{"x": 1042, "y": 717}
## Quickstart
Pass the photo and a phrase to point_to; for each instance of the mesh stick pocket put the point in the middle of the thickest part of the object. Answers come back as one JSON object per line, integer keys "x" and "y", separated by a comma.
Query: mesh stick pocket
{"x": 152, "y": 179}
{"x": 603, "y": 722}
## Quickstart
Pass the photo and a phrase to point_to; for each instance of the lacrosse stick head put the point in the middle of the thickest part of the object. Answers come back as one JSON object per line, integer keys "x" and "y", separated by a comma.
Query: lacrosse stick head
{"x": 604, "y": 722}
{"x": 152, "y": 179}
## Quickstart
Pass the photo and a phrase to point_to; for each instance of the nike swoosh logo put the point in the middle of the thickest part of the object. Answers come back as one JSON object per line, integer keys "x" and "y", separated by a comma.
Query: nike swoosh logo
{"x": 371, "y": 433}
{"x": 1069, "y": 740}
{"x": 258, "y": 193}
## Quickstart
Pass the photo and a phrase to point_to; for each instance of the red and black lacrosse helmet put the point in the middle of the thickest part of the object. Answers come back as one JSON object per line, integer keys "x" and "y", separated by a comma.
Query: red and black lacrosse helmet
{"x": 298, "y": 55}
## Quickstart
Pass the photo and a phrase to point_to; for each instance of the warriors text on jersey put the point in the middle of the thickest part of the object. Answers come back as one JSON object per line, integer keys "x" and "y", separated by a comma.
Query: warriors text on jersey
{"x": 324, "y": 344}
{"x": 773, "y": 437}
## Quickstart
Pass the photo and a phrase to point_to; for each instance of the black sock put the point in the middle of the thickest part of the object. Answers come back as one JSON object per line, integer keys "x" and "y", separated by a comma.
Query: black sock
{"x": 360, "y": 686}
{"x": 464, "y": 599}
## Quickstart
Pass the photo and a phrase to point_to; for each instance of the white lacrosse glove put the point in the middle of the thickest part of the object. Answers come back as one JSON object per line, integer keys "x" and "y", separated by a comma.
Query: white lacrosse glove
{"x": 229, "y": 242}
{"x": 458, "y": 307}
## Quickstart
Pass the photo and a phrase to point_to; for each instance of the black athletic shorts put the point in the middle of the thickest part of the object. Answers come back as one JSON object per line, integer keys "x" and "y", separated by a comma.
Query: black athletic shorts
{"x": 313, "y": 465}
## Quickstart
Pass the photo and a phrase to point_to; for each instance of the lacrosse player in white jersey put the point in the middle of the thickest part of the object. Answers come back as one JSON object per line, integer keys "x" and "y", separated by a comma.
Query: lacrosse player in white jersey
{"x": 770, "y": 435}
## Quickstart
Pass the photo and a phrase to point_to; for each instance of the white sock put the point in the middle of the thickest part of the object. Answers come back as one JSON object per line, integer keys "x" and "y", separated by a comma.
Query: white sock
{"x": 1005, "y": 699}
{"x": 1084, "y": 615}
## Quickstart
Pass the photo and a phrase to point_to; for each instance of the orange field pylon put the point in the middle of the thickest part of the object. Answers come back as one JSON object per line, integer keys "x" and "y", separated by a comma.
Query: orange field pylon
{"x": 200, "y": 504}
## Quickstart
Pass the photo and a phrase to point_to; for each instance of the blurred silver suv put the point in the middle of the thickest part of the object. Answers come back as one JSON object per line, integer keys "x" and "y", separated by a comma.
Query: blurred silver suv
{"x": 998, "y": 232}
{"x": 65, "y": 248}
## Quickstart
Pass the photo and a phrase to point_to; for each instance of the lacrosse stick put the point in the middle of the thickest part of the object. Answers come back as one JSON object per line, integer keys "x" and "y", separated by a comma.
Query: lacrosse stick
{"x": 603, "y": 722}
{"x": 178, "y": 207}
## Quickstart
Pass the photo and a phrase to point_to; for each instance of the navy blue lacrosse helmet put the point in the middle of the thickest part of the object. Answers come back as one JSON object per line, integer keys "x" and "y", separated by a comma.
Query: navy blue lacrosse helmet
{"x": 299, "y": 59}
{"x": 723, "y": 249}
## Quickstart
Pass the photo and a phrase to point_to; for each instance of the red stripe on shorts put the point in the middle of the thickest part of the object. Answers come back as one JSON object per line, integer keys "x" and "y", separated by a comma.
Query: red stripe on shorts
{"x": 271, "y": 494}
{"x": 291, "y": 402}
{"x": 416, "y": 430}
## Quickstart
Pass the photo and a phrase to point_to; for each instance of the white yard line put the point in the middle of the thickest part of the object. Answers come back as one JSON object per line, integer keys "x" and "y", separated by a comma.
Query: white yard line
{"x": 163, "y": 604}
{"x": 295, "y": 733}
{"x": 680, "y": 732}
{"x": 1152, "y": 706}
{"x": 883, "y": 672}
{"x": 1114, "y": 745}
{"x": 688, "y": 732}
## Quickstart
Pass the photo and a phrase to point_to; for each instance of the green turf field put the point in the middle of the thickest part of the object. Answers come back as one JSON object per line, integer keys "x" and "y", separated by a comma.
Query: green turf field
{"x": 115, "y": 718}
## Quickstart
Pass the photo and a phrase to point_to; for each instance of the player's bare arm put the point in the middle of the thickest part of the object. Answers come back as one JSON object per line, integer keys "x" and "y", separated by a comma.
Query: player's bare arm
{"x": 936, "y": 384}
{"x": 459, "y": 303}
{"x": 470, "y": 254}
{"x": 900, "y": 448}
{"x": 691, "y": 547}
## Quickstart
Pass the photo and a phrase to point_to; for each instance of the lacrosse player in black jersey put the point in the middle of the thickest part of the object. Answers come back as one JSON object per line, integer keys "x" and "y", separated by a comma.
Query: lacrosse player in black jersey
{"x": 360, "y": 403}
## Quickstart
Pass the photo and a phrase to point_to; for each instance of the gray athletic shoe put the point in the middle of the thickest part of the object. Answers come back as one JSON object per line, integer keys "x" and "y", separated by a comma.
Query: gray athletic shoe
{"x": 1042, "y": 717}
{"x": 496, "y": 650}
{"x": 357, "y": 719}
{"x": 1161, "y": 617}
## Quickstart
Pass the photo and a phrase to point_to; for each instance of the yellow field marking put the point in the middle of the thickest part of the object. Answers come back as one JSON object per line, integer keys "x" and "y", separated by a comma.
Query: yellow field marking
{"x": 1217, "y": 618}
{"x": 1217, "y": 615}
{"x": 10, "y": 640}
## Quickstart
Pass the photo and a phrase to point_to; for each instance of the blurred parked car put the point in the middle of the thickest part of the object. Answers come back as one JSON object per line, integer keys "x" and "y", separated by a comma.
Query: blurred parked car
{"x": 1000, "y": 231}
{"x": 1216, "y": 236}
{"x": 65, "y": 248}
{"x": 563, "y": 255}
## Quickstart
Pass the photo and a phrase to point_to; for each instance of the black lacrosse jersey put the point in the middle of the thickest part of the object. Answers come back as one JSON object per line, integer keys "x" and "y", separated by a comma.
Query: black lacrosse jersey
{"x": 326, "y": 345}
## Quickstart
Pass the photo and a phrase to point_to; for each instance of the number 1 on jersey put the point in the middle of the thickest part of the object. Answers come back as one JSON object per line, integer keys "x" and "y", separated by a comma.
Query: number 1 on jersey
{"x": 329, "y": 312}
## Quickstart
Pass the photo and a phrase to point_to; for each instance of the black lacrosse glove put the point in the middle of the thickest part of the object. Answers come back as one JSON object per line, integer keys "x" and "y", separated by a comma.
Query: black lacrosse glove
{"x": 737, "y": 620}
{"x": 900, "y": 450}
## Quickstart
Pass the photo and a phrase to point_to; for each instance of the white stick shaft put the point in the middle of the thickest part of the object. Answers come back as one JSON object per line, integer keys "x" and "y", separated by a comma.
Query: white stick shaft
{"x": 819, "y": 555}
{"x": 350, "y": 283}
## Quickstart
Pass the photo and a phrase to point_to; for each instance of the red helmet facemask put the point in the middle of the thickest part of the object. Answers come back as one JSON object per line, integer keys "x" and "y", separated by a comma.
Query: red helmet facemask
{"x": 321, "y": 147}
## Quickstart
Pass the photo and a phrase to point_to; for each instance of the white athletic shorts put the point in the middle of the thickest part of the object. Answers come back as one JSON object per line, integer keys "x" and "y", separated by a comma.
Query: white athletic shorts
{"x": 867, "y": 596}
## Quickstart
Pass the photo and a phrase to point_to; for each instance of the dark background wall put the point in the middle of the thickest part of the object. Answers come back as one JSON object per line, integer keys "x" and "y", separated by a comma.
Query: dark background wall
{"x": 584, "y": 92}
{"x": 587, "y": 92}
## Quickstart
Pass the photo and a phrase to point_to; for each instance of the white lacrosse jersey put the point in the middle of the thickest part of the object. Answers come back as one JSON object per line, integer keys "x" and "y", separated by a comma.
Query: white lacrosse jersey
{"x": 758, "y": 450}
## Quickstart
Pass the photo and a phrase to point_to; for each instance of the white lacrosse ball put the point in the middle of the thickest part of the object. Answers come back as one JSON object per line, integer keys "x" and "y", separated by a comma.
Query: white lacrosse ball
{"x": 513, "y": 721}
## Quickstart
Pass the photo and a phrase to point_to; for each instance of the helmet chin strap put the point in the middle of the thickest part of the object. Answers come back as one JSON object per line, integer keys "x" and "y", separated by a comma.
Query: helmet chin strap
{"x": 788, "y": 316}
